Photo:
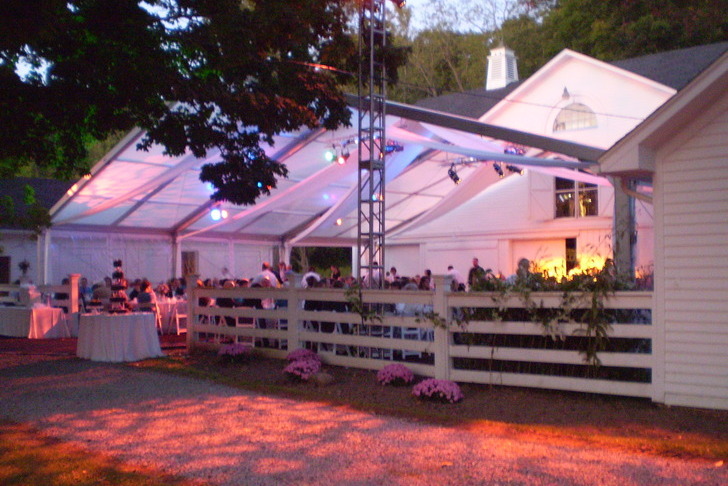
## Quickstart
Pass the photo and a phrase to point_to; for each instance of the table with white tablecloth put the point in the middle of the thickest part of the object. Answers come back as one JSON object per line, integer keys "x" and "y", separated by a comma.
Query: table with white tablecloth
{"x": 118, "y": 337}
{"x": 33, "y": 322}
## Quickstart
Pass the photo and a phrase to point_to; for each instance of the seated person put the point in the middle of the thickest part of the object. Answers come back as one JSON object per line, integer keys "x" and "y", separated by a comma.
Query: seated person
{"x": 146, "y": 298}
{"x": 228, "y": 302}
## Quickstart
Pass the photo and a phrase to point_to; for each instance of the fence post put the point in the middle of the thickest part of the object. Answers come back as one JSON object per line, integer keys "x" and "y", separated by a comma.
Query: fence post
{"x": 294, "y": 331}
{"x": 442, "y": 335}
{"x": 73, "y": 292}
{"x": 191, "y": 309}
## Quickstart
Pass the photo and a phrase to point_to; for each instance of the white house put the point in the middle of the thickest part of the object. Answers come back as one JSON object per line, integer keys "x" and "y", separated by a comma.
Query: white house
{"x": 683, "y": 149}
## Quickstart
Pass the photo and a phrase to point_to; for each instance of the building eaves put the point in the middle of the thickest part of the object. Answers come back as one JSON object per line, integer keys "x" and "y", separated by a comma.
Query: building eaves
{"x": 472, "y": 104}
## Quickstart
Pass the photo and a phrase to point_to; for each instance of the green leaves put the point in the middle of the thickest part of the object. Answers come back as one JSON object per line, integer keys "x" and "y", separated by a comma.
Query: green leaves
{"x": 193, "y": 74}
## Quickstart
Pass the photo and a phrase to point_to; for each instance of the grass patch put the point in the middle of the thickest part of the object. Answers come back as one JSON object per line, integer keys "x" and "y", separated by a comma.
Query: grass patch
{"x": 29, "y": 458}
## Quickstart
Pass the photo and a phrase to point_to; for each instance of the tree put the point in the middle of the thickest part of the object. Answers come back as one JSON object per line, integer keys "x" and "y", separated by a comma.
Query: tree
{"x": 619, "y": 29}
{"x": 196, "y": 75}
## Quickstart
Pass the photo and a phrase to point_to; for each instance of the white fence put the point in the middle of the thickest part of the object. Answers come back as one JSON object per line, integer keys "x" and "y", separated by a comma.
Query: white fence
{"x": 508, "y": 351}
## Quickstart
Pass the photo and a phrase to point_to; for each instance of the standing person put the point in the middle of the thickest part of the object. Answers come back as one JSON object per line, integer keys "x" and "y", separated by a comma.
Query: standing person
{"x": 265, "y": 273}
{"x": 335, "y": 273}
{"x": 281, "y": 274}
{"x": 392, "y": 275}
{"x": 475, "y": 274}
{"x": 456, "y": 276}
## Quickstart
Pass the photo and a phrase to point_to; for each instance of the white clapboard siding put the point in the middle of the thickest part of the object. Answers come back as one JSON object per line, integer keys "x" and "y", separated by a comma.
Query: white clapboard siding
{"x": 693, "y": 182}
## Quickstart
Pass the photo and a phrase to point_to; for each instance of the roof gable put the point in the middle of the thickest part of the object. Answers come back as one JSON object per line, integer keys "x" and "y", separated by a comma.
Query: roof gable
{"x": 634, "y": 154}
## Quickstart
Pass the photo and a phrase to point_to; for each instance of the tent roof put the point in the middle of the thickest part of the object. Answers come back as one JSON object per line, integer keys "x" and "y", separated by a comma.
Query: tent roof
{"x": 133, "y": 191}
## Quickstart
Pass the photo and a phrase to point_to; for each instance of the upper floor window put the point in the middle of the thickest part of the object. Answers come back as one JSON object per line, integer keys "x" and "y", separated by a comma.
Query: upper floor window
{"x": 575, "y": 199}
{"x": 574, "y": 117}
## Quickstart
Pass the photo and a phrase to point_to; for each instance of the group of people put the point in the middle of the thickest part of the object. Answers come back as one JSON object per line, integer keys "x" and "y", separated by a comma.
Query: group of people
{"x": 143, "y": 291}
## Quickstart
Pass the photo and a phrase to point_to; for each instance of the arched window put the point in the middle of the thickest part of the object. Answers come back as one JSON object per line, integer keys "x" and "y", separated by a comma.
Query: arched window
{"x": 574, "y": 117}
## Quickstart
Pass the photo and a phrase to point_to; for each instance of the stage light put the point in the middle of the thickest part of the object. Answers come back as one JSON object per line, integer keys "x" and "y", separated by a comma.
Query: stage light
{"x": 330, "y": 154}
{"x": 216, "y": 214}
{"x": 514, "y": 169}
{"x": 498, "y": 169}
{"x": 341, "y": 159}
{"x": 392, "y": 146}
{"x": 453, "y": 175}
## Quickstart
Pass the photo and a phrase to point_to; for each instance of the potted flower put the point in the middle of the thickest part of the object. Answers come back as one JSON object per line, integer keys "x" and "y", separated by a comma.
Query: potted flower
{"x": 395, "y": 374}
{"x": 235, "y": 352}
{"x": 444, "y": 391}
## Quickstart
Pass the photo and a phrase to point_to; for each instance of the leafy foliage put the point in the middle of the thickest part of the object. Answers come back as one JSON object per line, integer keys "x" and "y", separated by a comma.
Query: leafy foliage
{"x": 191, "y": 73}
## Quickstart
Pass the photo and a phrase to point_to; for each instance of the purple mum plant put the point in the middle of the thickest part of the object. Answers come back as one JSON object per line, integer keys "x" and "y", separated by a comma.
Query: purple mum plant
{"x": 438, "y": 390}
{"x": 395, "y": 374}
{"x": 303, "y": 369}
{"x": 235, "y": 352}
{"x": 301, "y": 353}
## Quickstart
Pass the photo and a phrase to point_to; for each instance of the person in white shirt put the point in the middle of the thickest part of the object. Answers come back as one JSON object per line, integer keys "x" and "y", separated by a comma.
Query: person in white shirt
{"x": 265, "y": 272}
{"x": 457, "y": 278}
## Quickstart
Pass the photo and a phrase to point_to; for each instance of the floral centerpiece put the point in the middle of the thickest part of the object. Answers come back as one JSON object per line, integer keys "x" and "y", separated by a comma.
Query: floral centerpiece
{"x": 445, "y": 391}
{"x": 395, "y": 374}
{"x": 235, "y": 352}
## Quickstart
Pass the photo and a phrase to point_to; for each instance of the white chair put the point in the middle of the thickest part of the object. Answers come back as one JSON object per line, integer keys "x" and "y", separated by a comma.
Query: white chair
{"x": 154, "y": 308}
{"x": 179, "y": 317}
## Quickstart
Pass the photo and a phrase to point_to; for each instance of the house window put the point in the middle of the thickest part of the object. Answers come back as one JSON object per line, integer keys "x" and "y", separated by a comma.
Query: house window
{"x": 575, "y": 199}
{"x": 575, "y": 117}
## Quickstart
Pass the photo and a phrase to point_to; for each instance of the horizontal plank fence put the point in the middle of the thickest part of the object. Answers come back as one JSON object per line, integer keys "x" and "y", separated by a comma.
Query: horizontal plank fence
{"x": 426, "y": 331}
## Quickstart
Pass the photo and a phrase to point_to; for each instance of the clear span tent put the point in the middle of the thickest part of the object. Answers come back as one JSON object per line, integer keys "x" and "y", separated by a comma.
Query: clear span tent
{"x": 149, "y": 193}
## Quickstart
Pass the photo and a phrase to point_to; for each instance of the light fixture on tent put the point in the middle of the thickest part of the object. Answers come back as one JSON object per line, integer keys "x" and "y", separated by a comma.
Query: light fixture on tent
{"x": 217, "y": 213}
{"x": 514, "y": 169}
{"x": 453, "y": 175}
{"x": 392, "y": 146}
{"x": 343, "y": 157}
{"x": 498, "y": 169}
{"x": 330, "y": 154}
{"x": 339, "y": 222}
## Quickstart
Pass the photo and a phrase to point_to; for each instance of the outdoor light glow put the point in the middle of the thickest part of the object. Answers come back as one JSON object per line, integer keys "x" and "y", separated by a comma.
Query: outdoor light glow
{"x": 330, "y": 155}
{"x": 260, "y": 184}
{"x": 216, "y": 214}
{"x": 339, "y": 222}
{"x": 326, "y": 197}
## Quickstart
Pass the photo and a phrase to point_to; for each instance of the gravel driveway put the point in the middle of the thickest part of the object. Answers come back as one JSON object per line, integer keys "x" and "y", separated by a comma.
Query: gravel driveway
{"x": 231, "y": 437}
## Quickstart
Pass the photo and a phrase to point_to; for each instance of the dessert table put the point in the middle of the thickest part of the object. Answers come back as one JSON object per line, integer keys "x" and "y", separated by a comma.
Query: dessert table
{"x": 33, "y": 322}
{"x": 118, "y": 337}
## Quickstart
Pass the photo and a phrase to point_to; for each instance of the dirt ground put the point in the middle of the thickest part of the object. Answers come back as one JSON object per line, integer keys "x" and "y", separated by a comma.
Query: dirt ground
{"x": 510, "y": 408}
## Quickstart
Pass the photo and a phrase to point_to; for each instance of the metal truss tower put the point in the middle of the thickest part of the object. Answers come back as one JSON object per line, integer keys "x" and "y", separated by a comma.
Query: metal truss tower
{"x": 371, "y": 142}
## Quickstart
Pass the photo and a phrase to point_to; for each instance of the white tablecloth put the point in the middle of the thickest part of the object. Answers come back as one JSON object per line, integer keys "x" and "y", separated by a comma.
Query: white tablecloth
{"x": 118, "y": 337}
{"x": 33, "y": 323}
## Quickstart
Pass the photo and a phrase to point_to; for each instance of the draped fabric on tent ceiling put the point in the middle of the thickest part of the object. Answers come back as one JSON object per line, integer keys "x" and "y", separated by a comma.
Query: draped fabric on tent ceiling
{"x": 133, "y": 191}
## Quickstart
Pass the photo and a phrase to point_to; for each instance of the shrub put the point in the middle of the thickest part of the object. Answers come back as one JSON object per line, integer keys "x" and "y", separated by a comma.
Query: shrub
{"x": 302, "y": 354}
{"x": 438, "y": 390}
{"x": 235, "y": 352}
{"x": 395, "y": 374}
{"x": 303, "y": 369}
